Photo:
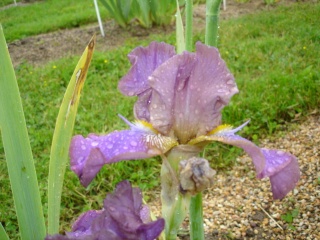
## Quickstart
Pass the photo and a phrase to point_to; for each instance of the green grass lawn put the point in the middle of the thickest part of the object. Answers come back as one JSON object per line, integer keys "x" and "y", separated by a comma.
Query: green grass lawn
{"x": 47, "y": 16}
{"x": 274, "y": 56}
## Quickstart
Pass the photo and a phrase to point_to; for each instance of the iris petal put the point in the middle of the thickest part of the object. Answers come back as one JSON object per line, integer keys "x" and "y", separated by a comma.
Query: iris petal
{"x": 144, "y": 61}
{"x": 119, "y": 219}
{"x": 189, "y": 91}
{"x": 281, "y": 167}
{"x": 283, "y": 171}
{"x": 88, "y": 155}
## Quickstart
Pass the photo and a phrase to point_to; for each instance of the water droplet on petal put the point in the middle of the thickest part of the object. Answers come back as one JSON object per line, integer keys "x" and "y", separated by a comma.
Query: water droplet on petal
{"x": 230, "y": 82}
{"x": 83, "y": 147}
{"x": 133, "y": 143}
{"x": 109, "y": 146}
{"x": 94, "y": 144}
{"x": 270, "y": 169}
{"x": 280, "y": 153}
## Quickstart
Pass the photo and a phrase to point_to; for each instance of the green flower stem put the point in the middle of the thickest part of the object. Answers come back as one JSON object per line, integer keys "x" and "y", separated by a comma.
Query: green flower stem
{"x": 174, "y": 204}
{"x": 189, "y": 28}
{"x": 212, "y": 19}
{"x": 196, "y": 218}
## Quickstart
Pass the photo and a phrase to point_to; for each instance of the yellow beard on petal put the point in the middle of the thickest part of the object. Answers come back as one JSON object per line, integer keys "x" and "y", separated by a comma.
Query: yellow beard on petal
{"x": 220, "y": 128}
{"x": 146, "y": 126}
{"x": 155, "y": 141}
{"x": 208, "y": 136}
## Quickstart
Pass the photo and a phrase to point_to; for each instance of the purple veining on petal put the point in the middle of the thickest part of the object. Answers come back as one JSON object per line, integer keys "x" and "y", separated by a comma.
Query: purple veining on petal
{"x": 190, "y": 90}
{"x": 89, "y": 154}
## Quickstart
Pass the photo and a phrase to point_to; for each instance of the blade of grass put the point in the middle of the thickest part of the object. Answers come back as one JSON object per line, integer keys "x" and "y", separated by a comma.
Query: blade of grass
{"x": 18, "y": 153}
{"x": 62, "y": 136}
{"x": 3, "y": 234}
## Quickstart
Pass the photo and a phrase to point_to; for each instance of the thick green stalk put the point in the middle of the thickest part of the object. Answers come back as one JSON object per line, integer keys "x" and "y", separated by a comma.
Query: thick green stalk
{"x": 22, "y": 173}
{"x": 174, "y": 203}
{"x": 211, "y": 39}
{"x": 189, "y": 23}
{"x": 212, "y": 21}
{"x": 196, "y": 218}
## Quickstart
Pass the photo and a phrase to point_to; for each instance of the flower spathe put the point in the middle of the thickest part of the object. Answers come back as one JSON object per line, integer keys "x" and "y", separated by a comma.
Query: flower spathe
{"x": 123, "y": 217}
{"x": 180, "y": 98}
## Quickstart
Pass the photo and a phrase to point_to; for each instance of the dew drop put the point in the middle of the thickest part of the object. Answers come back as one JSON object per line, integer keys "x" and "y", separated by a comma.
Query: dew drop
{"x": 270, "y": 169}
{"x": 133, "y": 143}
{"x": 109, "y": 146}
{"x": 230, "y": 82}
{"x": 83, "y": 147}
{"x": 280, "y": 153}
{"x": 94, "y": 144}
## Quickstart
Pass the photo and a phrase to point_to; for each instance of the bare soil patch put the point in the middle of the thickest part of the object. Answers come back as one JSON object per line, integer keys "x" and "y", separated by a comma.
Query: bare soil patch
{"x": 40, "y": 49}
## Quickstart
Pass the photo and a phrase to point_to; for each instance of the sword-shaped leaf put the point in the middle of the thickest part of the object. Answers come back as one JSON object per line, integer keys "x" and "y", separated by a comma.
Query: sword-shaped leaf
{"x": 3, "y": 234}
{"x": 22, "y": 173}
{"x": 62, "y": 136}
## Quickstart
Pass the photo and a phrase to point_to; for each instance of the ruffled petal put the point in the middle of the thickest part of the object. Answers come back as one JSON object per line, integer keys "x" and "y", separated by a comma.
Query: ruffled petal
{"x": 190, "y": 90}
{"x": 119, "y": 219}
{"x": 144, "y": 61}
{"x": 282, "y": 168}
{"x": 88, "y": 155}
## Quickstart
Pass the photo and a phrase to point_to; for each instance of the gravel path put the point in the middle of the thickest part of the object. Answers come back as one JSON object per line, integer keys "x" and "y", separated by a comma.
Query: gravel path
{"x": 239, "y": 206}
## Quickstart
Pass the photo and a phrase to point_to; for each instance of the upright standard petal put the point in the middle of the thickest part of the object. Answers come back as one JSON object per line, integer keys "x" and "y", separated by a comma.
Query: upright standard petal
{"x": 282, "y": 168}
{"x": 144, "y": 61}
{"x": 189, "y": 91}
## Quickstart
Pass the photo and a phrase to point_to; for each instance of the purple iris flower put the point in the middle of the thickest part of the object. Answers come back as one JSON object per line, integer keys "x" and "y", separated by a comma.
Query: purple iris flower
{"x": 123, "y": 217}
{"x": 180, "y": 98}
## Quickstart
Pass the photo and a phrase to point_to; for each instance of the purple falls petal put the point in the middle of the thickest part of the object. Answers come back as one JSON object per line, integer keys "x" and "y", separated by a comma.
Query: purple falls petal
{"x": 189, "y": 91}
{"x": 282, "y": 168}
{"x": 88, "y": 155}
